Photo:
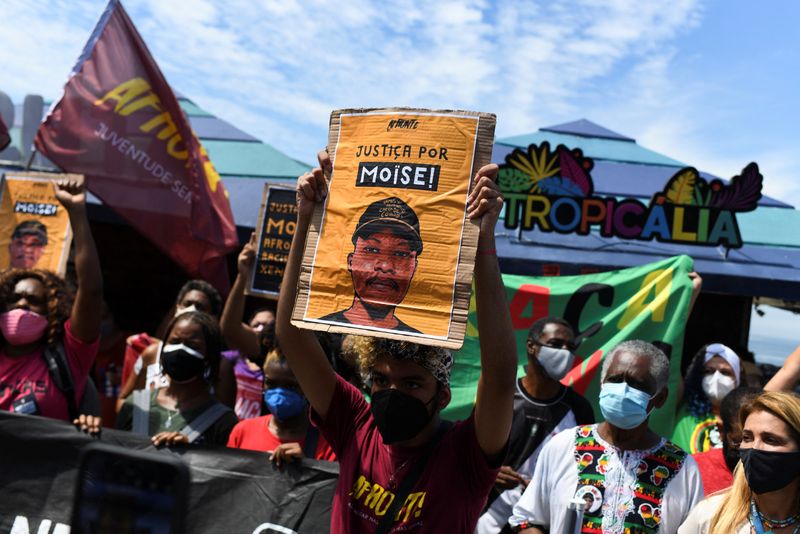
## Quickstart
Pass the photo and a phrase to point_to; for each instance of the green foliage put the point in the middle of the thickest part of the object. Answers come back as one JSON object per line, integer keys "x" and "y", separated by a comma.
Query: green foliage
{"x": 514, "y": 180}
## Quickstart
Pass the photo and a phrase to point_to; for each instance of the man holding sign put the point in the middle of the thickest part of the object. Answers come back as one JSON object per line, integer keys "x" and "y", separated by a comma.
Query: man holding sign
{"x": 400, "y": 465}
{"x": 387, "y": 244}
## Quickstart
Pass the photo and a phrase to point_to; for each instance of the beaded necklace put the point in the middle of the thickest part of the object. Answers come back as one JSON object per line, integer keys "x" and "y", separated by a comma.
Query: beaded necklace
{"x": 759, "y": 521}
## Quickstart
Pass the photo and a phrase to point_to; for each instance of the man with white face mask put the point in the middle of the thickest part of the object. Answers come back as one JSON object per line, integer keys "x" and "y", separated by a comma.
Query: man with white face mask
{"x": 543, "y": 407}
{"x": 631, "y": 479}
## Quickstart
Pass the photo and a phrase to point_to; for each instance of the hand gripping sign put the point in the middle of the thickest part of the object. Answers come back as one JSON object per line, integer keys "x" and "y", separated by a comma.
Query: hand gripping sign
{"x": 391, "y": 252}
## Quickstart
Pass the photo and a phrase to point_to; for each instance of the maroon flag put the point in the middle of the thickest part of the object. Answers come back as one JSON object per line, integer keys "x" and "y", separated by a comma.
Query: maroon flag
{"x": 5, "y": 138}
{"x": 120, "y": 124}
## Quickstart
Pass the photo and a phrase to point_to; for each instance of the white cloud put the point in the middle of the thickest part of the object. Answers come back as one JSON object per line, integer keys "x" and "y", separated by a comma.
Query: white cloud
{"x": 296, "y": 59}
{"x": 277, "y": 68}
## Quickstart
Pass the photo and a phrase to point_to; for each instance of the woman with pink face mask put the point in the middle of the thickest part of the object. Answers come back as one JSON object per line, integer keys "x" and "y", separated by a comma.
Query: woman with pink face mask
{"x": 40, "y": 315}
{"x": 713, "y": 373}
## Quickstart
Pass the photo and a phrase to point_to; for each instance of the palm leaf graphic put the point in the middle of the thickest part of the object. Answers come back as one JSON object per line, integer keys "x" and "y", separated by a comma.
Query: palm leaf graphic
{"x": 680, "y": 188}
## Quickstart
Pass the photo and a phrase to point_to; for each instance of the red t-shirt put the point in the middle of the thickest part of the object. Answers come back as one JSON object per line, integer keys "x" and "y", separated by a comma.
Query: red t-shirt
{"x": 714, "y": 471}
{"x": 448, "y": 497}
{"x": 22, "y": 375}
{"x": 255, "y": 435}
{"x": 134, "y": 347}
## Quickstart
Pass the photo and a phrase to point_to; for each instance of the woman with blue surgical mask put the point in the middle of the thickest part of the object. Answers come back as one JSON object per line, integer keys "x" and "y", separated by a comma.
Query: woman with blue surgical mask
{"x": 713, "y": 373}
{"x": 285, "y": 432}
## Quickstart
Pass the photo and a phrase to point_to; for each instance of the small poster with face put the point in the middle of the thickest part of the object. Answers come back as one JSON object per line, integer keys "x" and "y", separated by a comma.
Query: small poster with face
{"x": 390, "y": 252}
{"x": 34, "y": 227}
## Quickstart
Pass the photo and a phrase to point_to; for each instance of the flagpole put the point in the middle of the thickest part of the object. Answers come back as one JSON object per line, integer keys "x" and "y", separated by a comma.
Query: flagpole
{"x": 30, "y": 158}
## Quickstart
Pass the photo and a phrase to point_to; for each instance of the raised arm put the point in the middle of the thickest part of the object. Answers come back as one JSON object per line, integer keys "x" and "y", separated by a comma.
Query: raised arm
{"x": 788, "y": 377}
{"x": 697, "y": 285}
{"x": 88, "y": 306}
{"x": 237, "y": 334}
{"x": 494, "y": 404}
{"x": 300, "y": 347}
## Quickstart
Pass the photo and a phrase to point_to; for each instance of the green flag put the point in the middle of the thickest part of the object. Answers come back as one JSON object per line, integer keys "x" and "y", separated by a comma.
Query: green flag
{"x": 650, "y": 302}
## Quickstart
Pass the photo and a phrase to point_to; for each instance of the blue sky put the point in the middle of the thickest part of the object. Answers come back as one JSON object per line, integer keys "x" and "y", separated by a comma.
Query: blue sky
{"x": 711, "y": 83}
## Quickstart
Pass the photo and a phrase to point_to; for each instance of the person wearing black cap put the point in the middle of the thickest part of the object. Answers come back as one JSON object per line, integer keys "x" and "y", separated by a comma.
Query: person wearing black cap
{"x": 387, "y": 245}
{"x": 27, "y": 244}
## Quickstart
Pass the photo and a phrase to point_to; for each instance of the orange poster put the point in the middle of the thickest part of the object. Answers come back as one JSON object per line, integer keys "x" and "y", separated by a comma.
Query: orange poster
{"x": 391, "y": 251}
{"x": 34, "y": 226}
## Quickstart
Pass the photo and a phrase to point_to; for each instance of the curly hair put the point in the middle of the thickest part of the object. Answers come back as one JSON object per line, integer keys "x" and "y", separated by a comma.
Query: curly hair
{"x": 211, "y": 335}
{"x": 366, "y": 351}
{"x": 697, "y": 402}
{"x": 214, "y": 298}
{"x": 57, "y": 294}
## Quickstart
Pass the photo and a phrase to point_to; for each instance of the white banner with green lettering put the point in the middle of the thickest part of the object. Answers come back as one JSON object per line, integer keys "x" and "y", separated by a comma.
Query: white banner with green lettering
{"x": 650, "y": 302}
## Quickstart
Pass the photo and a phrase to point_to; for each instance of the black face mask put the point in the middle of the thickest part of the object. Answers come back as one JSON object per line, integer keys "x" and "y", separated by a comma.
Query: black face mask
{"x": 182, "y": 363}
{"x": 767, "y": 471}
{"x": 730, "y": 455}
{"x": 399, "y": 416}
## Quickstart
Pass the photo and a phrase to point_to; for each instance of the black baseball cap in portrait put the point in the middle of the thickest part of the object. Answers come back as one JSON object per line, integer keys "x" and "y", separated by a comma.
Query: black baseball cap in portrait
{"x": 390, "y": 214}
{"x": 31, "y": 227}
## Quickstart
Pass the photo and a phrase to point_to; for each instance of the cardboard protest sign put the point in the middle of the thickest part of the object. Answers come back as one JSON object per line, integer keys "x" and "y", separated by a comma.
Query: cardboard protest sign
{"x": 34, "y": 227}
{"x": 276, "y": 222}
{"x": 391, "y": 253}
{"x": 650, "y": 302}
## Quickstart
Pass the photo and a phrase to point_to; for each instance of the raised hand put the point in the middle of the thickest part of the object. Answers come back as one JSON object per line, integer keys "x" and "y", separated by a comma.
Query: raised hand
{"x": 486, "y": 200}
{"x": 247, "y": 257}
{"x": 311, "y": 188}
{"x": 70, "y": 193}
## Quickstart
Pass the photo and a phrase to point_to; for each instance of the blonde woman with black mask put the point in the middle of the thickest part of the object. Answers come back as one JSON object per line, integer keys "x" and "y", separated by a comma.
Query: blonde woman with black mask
{"x": 765, "y": 496}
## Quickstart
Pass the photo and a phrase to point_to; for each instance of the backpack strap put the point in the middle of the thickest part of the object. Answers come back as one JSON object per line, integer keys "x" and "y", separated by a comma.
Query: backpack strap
{"x": 411, "y": 478}
{"x": 56, "y": 360}
{"x": 141, "y": 411}
{"x": 310, "y": 445}
{"x": 195, "y": 428}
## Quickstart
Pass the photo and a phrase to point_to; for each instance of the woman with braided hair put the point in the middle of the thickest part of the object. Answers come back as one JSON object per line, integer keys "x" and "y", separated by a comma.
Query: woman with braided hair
{"x": 40, "y": 320}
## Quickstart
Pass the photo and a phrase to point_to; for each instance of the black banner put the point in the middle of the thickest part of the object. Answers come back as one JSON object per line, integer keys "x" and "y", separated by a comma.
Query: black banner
{"x": 275, "y": 232}
{"x": 232, "y": 491}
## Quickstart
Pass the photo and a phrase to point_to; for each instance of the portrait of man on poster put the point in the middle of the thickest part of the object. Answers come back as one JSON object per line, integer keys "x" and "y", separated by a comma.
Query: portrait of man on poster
{"x": 387, "y": 246}
{"x": 27, "y": 244}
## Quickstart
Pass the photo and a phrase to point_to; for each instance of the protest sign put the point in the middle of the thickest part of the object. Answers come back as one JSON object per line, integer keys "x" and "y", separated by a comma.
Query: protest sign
{"x": 232, "y": 491}
{"x": 391, "y": 253}
{"x": 34, "y": 227}
{"x": 119, "y": 123}
{"x": 276, "y": 222}
{"x": 650, "y": 302}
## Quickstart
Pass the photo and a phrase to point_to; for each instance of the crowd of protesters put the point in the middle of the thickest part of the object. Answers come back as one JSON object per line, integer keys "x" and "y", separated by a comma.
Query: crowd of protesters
{"x": 530, "y": 450}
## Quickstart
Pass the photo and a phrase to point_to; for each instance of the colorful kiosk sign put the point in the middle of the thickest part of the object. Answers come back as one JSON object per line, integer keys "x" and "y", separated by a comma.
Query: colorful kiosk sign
{"x": 554, "y": 192}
